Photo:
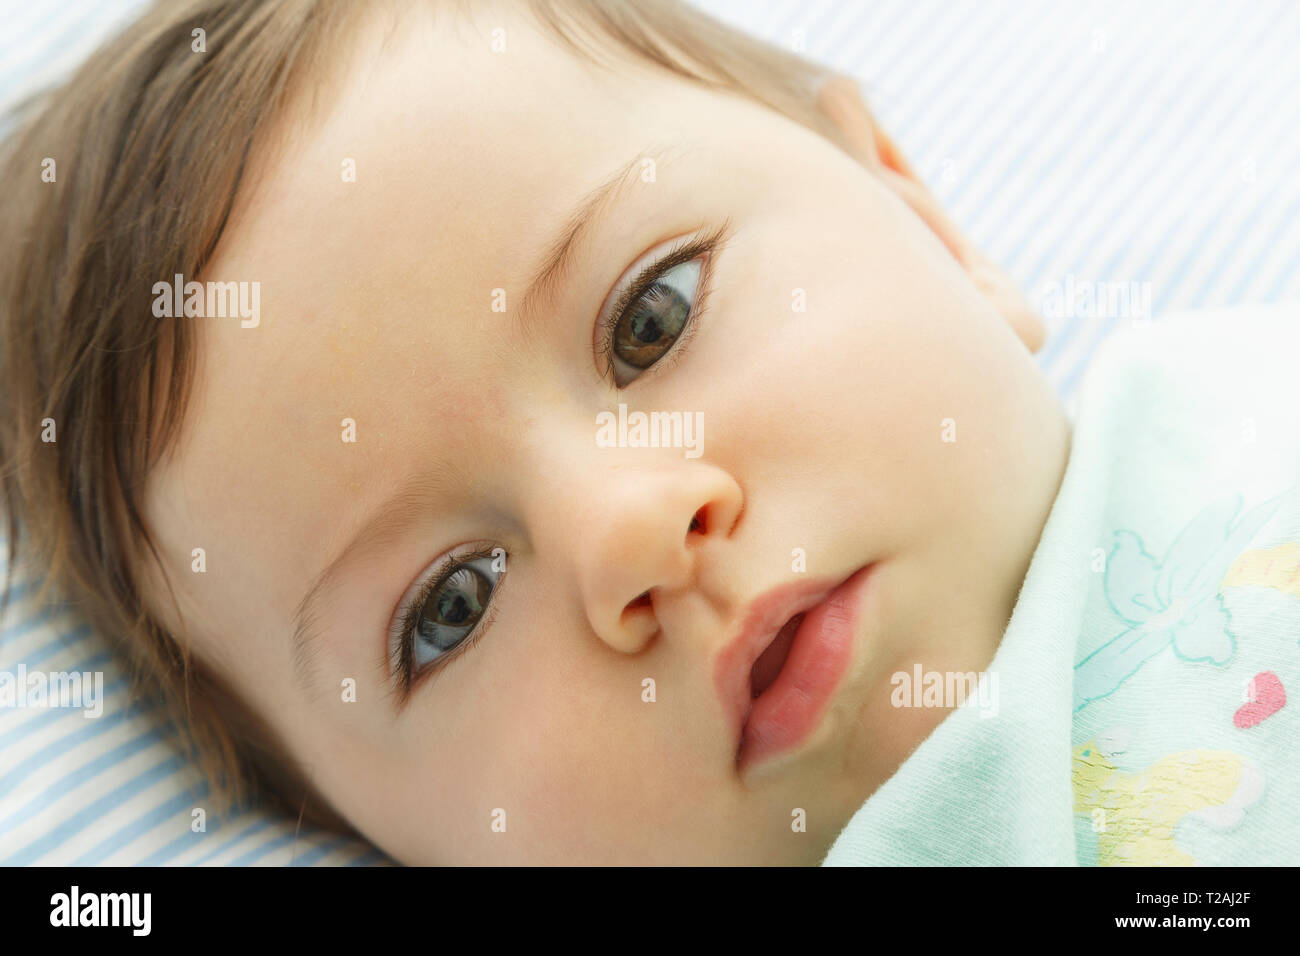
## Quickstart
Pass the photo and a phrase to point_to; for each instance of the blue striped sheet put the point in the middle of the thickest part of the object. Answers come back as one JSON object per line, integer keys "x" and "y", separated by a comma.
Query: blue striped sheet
{"x": 1110, "y": 141}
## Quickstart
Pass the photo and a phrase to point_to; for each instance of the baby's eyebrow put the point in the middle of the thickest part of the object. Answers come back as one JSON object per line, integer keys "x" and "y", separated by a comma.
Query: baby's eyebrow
{"x": 562, "y": 250}
{"x": 409, "y": 503}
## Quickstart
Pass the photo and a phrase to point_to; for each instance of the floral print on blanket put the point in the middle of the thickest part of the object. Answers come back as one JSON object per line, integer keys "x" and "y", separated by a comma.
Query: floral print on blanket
{"x": 1171, "y": 603}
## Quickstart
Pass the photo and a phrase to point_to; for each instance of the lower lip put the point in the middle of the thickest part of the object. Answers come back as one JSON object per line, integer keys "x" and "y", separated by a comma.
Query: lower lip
{"x": 785, "y": 714}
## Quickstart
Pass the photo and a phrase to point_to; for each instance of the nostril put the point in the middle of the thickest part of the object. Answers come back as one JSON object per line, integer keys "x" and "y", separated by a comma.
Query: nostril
{"x": 642, "y": 601}
{"x": 697, "y": 523}
{"x": 631, "y": 613}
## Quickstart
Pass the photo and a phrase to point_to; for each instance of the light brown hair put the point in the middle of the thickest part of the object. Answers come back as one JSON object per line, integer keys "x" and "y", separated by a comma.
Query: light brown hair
{"x": 152, "y": 142}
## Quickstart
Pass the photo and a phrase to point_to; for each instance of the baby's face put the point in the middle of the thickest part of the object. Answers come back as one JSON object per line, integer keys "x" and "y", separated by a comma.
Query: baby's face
{"x": 827, "y": 343}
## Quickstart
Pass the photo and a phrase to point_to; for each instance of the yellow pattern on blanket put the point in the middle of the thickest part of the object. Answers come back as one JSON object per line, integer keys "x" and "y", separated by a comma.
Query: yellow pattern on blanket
{"x": 1135, "y": 814}
{"x": 1277, "y": 568}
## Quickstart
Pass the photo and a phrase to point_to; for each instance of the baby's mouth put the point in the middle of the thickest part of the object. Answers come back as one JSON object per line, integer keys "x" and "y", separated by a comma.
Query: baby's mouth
{"x": 770, "y": 662}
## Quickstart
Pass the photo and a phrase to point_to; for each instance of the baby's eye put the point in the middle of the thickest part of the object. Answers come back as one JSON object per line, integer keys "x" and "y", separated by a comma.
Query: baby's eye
{"x": 660, "y": 307}
{"x": 652, "y": 323}
{"x": 449, "y": 611}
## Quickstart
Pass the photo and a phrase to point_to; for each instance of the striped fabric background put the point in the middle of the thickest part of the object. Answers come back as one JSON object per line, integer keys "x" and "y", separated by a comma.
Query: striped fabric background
{"x": 1154, "y": 143}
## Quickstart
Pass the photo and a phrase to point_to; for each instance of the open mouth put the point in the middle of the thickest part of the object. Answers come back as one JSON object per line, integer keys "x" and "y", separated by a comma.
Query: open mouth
{"x": 795, "y": 676}
{"x": 770, "y": 662}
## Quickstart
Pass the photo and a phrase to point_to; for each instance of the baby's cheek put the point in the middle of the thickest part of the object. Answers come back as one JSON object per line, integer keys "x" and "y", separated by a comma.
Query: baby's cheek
{"x": 503, "y": 782}
{"x": 569, "y": 764}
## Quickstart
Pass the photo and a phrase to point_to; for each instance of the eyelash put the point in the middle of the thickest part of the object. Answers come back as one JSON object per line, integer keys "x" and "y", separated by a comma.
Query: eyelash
{"x": 707, "y": 245}
{"x": 408, "y": 617}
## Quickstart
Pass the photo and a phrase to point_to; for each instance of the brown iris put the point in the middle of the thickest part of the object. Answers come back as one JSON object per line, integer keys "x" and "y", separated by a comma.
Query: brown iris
{"x": 649, "y": 330}
{"x": 457, "y": 603}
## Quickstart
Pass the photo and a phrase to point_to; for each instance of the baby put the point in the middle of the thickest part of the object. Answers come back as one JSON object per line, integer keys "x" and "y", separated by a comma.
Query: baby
{"x": 532, "y": 433}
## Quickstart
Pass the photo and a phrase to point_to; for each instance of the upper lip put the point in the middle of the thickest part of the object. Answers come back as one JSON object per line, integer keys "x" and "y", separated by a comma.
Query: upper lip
{"x": 758, "y": 625}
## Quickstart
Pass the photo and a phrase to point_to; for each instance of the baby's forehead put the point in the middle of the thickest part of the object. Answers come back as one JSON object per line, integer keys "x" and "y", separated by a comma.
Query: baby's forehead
{"x": 478, "y": 69}
{"x": 436, "y": 109}
{"x": 378, "y": 236}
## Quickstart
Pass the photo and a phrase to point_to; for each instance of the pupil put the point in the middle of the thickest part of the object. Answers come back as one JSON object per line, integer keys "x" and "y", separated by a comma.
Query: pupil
{"x": 456, "y": 612}
{"x": 648, "y": 329}
{"x": 461, "y": 599}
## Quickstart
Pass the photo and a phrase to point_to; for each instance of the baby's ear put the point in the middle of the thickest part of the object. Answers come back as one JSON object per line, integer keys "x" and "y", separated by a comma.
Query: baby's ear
{"x": 841, "y": 101}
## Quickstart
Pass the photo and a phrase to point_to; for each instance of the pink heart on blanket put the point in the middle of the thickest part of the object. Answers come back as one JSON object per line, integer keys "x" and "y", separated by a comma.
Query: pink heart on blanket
{"x": 1269, "y": 698}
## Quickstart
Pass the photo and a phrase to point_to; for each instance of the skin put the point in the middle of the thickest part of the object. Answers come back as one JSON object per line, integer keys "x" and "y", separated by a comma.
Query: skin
{"x": 822, "y": 431}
